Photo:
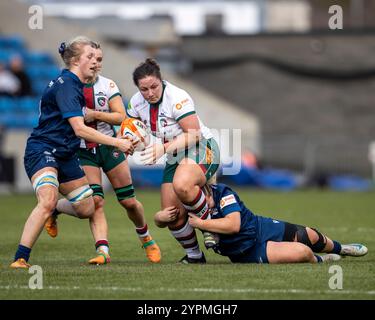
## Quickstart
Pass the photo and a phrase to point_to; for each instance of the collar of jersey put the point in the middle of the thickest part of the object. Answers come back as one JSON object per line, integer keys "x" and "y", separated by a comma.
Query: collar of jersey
{"x": 161, "y": 98}
{"x": 70, "y": 74}
{"x": 91, "y": 84}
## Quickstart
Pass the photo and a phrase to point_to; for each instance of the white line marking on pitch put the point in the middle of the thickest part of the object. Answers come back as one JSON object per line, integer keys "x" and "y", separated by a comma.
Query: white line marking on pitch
{"x": 209, "y": 290}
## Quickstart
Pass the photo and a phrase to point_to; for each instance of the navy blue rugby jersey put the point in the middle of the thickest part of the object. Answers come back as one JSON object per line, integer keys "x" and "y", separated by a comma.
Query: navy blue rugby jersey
{"x": 227, "y": 201}
{"x": 61, "y": 100}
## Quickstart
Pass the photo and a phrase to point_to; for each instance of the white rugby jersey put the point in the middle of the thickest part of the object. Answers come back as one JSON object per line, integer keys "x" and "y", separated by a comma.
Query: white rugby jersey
{"x": 163, "y": 119}
{"x": 97, "y": 96}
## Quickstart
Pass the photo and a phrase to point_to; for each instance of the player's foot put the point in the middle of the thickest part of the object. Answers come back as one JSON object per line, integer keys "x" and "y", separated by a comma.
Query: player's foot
{"x": 188, "y": 260}
{"x": 101, "y": 258}
{"x": 210, "y": 240}
{"x": 330, "y": 257}
{"x": 152, "y": 249}
{"x": 353, "y": 249}
{"x": 20, "y": 264}
{"x": 51, "y": 226}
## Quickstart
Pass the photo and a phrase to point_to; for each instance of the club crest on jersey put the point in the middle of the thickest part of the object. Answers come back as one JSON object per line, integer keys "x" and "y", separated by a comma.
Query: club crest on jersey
{"x": 101, "y": 101}
{"x": 227, "y": 200}
{"x": 163, "y": 122}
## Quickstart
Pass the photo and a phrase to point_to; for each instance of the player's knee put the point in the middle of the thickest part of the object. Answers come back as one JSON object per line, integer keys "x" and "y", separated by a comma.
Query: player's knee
{"x": 182, "y": 186}
{"x": 304, "y": 253}
{"x": 98, "y": 202}
{"x": 313, "y": 236}
{"x": 319, "y": 242}
{"x": 130, "y": 204}
{"x": 85, "y": 208}
{"x": 307, "y": 254}
{"x": 82, "y": 201}
{"x": 48, "y": 202}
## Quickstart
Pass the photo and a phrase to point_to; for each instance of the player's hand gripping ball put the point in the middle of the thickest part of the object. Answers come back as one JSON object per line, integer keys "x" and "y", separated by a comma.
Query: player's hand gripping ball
{"x": 137, "y": 130}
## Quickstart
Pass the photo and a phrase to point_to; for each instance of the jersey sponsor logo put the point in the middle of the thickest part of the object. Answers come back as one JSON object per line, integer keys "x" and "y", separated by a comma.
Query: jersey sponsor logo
{"x": 181, "y": 103}
{"x": 227, "y": 200}
{"x": 275, "y": 221}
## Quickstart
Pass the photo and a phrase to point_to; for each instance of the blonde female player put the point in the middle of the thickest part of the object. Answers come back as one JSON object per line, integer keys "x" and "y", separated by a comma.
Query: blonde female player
{"x": 192, "y": 153}
{"x": 104, "y": 109}
{"x": 50, "y": 158}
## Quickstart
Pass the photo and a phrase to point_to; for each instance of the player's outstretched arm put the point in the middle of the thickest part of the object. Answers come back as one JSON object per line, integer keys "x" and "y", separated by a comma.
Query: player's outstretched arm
{"x": 90, "y": 134}
{"x": 230, "y": 224}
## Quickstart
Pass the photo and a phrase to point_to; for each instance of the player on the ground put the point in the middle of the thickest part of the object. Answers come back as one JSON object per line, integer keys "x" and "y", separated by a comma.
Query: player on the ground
{"x": 50, "y": 158}
{"x": 192, "y": 153}
{"x": 248, "y": 238}
{"x": 104, "y": 109}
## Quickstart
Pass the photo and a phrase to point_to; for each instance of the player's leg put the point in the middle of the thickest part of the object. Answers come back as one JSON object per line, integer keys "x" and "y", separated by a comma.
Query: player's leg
{"x": 120, "y": 178}
{"x": 320, "y": 243}
{"x": 79, "y": 196}
{"x": 74, "y": 186}
{"x": 187, "y": 183}
{"x": 45, "y": 184}
{"x": 289, "y": 252}
{"x": 180, "y": 228}
{"x": 98, "y": 221}
{"x": 191, "y": 175}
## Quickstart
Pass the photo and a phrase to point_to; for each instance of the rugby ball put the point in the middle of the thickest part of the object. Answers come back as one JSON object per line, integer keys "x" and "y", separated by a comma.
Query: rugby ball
{"x": 137, "y": 130}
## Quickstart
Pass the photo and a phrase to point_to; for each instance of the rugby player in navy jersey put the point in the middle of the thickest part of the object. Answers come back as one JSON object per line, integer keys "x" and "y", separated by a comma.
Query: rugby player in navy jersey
{"x": 248, "y": 238}
{"x": 50, "y": 158}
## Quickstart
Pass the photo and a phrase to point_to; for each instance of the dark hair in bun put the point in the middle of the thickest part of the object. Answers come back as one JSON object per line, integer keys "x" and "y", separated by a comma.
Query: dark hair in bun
{"x": 147, "y": 68}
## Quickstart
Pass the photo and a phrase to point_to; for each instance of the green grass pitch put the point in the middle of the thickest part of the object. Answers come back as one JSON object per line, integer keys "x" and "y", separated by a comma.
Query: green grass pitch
{"x": 346, "y": 217}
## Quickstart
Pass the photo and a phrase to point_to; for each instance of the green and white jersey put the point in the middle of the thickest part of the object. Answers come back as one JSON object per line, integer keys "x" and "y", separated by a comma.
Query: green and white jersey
{"x": 163, "y": 118}
{"x": 97, "y": 96}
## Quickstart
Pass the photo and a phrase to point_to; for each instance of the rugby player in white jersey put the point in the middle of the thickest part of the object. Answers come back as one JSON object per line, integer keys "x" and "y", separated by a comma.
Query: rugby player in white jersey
{"x": 193, "y": 155}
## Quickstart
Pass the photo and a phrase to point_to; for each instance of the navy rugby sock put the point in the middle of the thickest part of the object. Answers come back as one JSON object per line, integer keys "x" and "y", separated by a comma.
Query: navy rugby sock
{"x": 22, "y": 252}
{"x": 336, "y": 247}
{"x": 319, "y": 258}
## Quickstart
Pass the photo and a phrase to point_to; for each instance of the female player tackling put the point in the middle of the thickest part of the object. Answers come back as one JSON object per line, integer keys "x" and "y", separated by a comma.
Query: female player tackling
{"x": 248, "y": 238}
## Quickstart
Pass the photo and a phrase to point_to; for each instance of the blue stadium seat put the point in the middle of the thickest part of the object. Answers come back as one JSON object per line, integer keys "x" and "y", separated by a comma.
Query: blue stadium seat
{"x": 34, "y": 72}
{"x": 12, "y": 42}
{"x": 39, "y": 58}
{"x": 51, "y": 72}
{"x": 7, "y": 54}
{"x": 28, "y": 104}
{"x": 7, "y": 104}
{"x": 45, "y": 73}
{"x": 19, "y": 121}
{"x": 39, "y": 86}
